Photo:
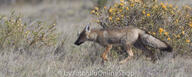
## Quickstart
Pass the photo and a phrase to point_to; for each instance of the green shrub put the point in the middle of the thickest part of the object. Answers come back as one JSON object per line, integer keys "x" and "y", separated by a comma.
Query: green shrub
{"x": 163, "y": 20}
{"x": 15, "y": 33}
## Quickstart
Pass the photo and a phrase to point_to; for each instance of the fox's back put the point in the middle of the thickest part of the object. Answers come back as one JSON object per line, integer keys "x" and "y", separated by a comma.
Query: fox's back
{"x": 118, "y": 35}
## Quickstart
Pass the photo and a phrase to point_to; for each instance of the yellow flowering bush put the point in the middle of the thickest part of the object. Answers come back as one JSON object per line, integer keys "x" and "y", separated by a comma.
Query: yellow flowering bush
{"x": 15, "y": 33}
{"x": 161, "y": 19}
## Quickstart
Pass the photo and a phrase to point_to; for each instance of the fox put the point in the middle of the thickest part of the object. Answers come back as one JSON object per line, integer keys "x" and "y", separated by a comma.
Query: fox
{"x": 127, "y": 37}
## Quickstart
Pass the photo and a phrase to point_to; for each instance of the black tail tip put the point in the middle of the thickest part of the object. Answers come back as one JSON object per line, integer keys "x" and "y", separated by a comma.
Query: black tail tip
{"x": 168, "y": 49}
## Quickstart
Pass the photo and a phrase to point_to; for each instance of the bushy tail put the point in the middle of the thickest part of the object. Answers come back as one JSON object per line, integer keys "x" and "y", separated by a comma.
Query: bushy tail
{"x": 151, "y": 41}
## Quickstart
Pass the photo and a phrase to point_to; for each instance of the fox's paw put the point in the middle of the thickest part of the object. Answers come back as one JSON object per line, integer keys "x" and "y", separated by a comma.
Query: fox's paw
{"x": 104, "y": 57}
{"x": 123, "y": 61}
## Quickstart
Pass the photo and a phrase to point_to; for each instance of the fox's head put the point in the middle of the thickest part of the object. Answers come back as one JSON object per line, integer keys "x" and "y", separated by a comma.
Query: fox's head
{"x": 83, "y": 36}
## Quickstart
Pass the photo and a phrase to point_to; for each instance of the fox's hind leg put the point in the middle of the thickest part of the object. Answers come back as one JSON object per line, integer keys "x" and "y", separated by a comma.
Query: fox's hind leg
{"x": 104, "y": 55}
{"x": 130, "y": 52}
{"x": 138, "y": 44}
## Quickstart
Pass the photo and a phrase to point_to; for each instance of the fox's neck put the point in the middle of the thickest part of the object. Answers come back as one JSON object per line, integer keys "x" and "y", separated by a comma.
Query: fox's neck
{"x": 93, "y": 35}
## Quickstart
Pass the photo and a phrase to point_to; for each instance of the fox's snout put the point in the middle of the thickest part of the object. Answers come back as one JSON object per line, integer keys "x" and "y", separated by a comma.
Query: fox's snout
{"x": 78, "y": 43}
{"x": 81, "y": 39}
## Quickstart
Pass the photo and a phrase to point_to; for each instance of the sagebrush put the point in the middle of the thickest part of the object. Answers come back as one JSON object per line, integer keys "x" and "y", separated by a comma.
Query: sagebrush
{"x": 16, "y": 33}
{"x": 166, "y": 21}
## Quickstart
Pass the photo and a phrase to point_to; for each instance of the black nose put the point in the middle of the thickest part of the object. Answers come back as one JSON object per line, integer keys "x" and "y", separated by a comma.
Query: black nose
{"x": 76, "y": 43}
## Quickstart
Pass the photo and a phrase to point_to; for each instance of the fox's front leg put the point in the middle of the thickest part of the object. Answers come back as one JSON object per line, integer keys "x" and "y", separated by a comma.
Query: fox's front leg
{"x": 104, "y": 55}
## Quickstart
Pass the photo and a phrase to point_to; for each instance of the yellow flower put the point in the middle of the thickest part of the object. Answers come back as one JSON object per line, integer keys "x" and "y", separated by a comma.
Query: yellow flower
{"x": 168, "y": 38}
{"x": 127, "y": 8}
{"x": 175, "y": 7}
{"x": 166, "y": 33}
{"x": 96, "y": 13}
{"x": 178, "y": 36}
{"x": 148, "y": 14}
{"x": 122, "y": 0}
{"x": 96, "y": 8}
{"x": 170, "y": 5}
{"x": 117, "y": 18}
{"x": 138, "y": 1}
{"x": 154, "y": 33}
{"x": 111, "y": 10}
{"x": 188, "y": 41}
{"x": 163, "y": 6}
{"x": 114, "y": 13}
{"x": 183, "y": 32}
{"x": 161, "y": 30}
{"x": 177, "y": 20}
{"x": 132, "y": 5}
{"x": 27, "y": 32}
{"x": 110, "y": 18}
{"x": 104, "y": 7}
{"x": 116, "y": 5}
{"x": 190, "y": 24}
{"x": 122, "y": 15}
{"x": 172, "y": 12}
{"x": 122, "y": 4}
{"x": 149, "y": 32}
{"x": 97, "y": 21}
{"x": 54, "y": 24}
{"x": 120, "y": 11}
{"x": 187, "y": 15}
{"x": 143, "y": 11}
{"x": 93, "y": 11}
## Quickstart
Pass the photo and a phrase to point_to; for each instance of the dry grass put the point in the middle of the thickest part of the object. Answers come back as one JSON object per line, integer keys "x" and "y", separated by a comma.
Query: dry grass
{"x": 65, "y": 57}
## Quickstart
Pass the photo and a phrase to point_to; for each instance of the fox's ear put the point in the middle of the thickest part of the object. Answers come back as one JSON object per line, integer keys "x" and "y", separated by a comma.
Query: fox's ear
{"x": 87, "y": 28}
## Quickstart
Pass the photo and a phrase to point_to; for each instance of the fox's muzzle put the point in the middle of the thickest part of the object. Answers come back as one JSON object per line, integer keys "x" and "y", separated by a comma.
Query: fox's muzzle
{"x": 78, "y": 43}
{"x": 82, "y": 37}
